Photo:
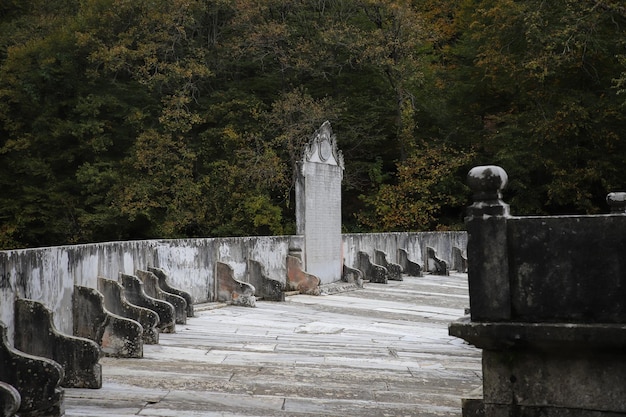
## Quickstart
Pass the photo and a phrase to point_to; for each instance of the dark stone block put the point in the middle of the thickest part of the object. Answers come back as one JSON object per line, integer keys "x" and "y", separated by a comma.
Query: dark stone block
{"x": 116, "y": 303}
{"x": 116, "y": 335}
{"x": 153, "y": 289}
{"x": 372, "y": 272}
{"x": 473, "y": 407}
{"x": 409, "y": 267}
{"x": 555, "y": 379}
{"x": 266, "y": 288}
{"x": 493, "y": 410}
{"x": 36, "y": 334}
{"x": 165, "y": 286}
{"x": 36, "y": 379}
{"x": 568, "y": 268}
{"x": 10, "y": 400}
{"x": 135, "y": 294}
{"x": 394, "y": 270}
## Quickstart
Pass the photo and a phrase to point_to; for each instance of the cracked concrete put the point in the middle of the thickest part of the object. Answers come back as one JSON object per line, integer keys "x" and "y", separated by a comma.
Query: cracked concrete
{"x": 380, "y": 351}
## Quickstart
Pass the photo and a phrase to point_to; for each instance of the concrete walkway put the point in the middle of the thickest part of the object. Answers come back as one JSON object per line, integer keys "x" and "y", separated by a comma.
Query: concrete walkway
{"x": 380, "y": 351}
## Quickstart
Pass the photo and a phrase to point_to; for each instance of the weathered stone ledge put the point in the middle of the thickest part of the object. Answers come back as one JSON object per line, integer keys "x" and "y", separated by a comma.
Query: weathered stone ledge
{"x": 209, "y": 306}
{"x": 570, "y": 336}
{"x": 338, "y": 287}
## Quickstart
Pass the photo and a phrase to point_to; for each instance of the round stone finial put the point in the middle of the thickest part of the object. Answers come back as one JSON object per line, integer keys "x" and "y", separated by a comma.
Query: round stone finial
{"x": 617, "y": 202}
{"x": 487, "y": 182}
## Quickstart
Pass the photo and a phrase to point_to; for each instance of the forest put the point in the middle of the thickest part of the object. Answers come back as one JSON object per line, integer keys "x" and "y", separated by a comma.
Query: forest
{"x": 138, "y": 119}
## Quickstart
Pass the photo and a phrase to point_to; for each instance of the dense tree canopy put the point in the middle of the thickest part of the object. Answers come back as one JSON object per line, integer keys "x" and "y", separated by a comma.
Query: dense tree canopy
{"x": 182, "y": 118}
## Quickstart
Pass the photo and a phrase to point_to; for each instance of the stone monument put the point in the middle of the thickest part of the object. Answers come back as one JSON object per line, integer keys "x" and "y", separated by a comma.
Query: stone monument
{"x": 318, "y": 205}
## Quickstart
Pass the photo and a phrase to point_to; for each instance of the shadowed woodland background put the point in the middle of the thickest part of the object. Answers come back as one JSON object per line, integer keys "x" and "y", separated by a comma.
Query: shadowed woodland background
{"x": 132, "y": 119}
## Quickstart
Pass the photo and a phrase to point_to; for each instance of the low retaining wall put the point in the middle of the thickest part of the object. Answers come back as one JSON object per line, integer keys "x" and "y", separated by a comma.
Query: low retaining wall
{"x": 415, "y": 243}
{"x": 49, "y": 274}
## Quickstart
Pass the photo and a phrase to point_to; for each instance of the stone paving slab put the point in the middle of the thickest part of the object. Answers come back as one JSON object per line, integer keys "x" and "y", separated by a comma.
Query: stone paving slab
{"x": 379, "y": 351}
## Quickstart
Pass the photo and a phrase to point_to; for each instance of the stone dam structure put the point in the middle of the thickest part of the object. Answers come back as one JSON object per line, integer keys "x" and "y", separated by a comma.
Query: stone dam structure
{"x": 547, "y": 295}
{"x": 62, "y": 308}
{"x": 91, "y": 301}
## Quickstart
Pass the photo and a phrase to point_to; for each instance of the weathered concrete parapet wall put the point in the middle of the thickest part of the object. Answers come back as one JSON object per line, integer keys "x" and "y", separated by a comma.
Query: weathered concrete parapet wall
{"x": 49, "y": 274}
{"x": 415, "y": 245}
{"x": 36, "y": 335}
{"x": 37, "y": 379}
{"x": 547, "y": 306}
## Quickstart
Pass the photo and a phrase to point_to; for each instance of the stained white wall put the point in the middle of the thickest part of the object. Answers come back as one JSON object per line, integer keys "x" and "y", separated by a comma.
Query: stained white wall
{"x": 414, "y": 243}
{"x": 49, "y": 274}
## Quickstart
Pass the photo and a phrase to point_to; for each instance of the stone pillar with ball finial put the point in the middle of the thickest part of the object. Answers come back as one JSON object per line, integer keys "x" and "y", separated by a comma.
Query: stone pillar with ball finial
{"x": 486, "y": 223}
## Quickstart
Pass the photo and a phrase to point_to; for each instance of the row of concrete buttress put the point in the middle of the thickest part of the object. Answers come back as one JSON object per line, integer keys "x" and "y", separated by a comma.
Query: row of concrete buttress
{"x": 382, "y": 270}
{"x": 147, "y": 304}
{"x": 256, "y": 284}
{"x": 41, "y": 361}
{"x": 244, "y": 290}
